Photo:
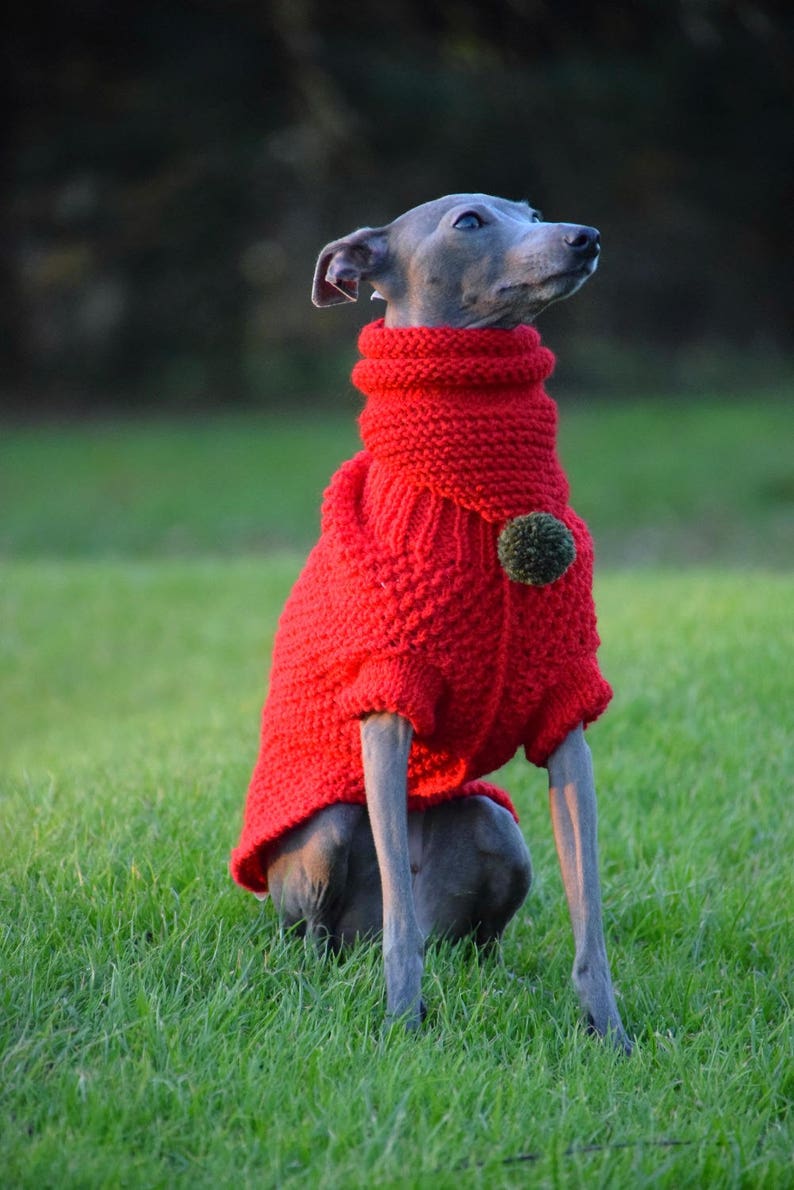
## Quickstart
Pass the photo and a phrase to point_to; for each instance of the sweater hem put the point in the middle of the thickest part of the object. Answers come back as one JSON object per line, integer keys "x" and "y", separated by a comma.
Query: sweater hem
{"x": 248, "y": 865}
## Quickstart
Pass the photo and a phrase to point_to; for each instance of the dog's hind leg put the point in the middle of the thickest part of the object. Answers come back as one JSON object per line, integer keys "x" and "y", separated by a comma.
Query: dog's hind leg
{"x": 472, "y": 869}
{"x": 308, "y": 872}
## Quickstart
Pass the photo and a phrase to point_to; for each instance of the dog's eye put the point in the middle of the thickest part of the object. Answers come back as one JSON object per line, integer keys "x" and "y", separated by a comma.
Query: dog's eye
{"x": 537, "y": 216}
{"x": 469, "y": 221}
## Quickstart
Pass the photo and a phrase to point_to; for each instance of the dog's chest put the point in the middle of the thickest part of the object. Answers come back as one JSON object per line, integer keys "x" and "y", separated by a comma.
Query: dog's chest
{"x": 437, "y": 564}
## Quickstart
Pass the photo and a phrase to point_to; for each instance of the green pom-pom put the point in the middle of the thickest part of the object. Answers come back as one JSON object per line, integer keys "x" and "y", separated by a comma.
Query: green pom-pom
{"x": 536, "y": 549}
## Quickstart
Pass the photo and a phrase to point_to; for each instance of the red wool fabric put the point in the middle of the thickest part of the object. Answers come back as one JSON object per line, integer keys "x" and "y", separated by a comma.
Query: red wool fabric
{"x": 403, "y": 606}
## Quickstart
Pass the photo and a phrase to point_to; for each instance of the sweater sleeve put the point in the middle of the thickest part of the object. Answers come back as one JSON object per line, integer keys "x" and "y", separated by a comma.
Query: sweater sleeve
{"x": 579, "y": 696}
{"x": 400, "y": 683}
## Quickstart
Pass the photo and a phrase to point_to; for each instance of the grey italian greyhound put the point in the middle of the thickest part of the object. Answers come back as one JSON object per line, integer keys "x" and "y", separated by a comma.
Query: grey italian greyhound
{"x": 462, "y": 867}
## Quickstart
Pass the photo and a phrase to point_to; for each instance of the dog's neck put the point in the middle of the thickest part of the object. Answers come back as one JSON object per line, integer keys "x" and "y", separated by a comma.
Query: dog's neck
{"x": 463, "y": 414}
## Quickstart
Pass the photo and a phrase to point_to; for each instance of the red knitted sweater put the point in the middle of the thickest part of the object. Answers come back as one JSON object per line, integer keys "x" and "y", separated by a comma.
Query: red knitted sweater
{"x": 403, "y": 605}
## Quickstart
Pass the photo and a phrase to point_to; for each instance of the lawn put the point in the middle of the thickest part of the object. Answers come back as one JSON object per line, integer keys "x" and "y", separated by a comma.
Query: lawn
{"x": 662, "y": 481}
{"x": 155, "y": 1028}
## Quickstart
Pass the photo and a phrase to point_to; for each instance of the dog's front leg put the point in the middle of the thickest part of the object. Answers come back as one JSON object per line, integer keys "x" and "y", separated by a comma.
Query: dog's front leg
{"x": 574, "y": 816}
{"x": 385, "y": 744}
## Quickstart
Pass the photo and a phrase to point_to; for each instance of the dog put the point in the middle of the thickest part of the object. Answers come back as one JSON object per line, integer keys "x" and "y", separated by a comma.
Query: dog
{"x": 444, "y": 618}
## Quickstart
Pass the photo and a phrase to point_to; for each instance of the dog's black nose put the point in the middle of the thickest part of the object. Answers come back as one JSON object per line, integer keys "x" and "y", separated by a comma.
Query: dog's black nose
{"x": 585, "y": 241}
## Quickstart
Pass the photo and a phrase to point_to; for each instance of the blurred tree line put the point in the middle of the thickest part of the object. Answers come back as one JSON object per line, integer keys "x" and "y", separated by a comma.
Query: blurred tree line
{"x": 174, "y": 166}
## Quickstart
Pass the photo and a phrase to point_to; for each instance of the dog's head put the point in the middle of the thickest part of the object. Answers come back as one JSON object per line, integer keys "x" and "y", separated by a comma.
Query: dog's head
{"x": 467, "y": 260}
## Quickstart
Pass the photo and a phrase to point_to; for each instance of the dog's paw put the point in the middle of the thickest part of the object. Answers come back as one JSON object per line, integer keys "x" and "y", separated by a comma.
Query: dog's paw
{"x": 410, "y": 1020}
{"x": 613, "y": 1032}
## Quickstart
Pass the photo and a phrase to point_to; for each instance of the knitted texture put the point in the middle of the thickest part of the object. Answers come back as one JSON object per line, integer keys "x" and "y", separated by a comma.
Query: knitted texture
{"x": 403, "y": 605}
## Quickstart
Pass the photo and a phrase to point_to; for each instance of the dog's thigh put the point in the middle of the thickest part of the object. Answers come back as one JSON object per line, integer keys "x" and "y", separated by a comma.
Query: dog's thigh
{"x": 472, "y": 868}
{"x": 361, "y": 907}
{"x": 309, "y": 870}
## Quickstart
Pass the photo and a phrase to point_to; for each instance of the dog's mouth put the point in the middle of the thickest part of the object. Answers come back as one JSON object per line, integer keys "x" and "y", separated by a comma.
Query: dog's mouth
{"x": 585, "y": 269}
{"x": 579, "y": 272}
{"x": 573, "y": 277}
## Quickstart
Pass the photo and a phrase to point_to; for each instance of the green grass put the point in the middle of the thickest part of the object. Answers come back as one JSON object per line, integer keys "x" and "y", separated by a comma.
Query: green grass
{"x": 156, "y": 1029}
{"x": 658, "y": 481}
{"x": 224, "y": 486}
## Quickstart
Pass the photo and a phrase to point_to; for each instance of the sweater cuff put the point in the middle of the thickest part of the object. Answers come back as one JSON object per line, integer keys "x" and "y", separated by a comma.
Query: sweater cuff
{"x": 580, "y": 697}
{"x": 401, "y": 685}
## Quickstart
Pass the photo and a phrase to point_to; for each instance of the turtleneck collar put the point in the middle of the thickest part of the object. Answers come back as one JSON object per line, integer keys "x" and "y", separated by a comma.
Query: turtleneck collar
{"x": 464, "y": 415}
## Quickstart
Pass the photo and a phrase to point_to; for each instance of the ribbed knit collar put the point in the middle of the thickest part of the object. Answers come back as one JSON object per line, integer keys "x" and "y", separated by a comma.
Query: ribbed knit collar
{"x": 463, "y": 414}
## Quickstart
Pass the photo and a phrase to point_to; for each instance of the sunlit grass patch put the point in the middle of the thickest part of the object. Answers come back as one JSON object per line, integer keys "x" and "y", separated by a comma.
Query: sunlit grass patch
{"x": 155, "y": 1025}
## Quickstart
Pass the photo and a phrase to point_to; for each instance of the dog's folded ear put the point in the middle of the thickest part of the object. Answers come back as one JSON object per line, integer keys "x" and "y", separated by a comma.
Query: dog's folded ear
{"x": 342, "y": 264}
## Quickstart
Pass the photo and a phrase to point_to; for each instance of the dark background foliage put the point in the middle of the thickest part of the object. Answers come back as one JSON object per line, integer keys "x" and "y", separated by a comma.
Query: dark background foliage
{"x": 174, "y": 166}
